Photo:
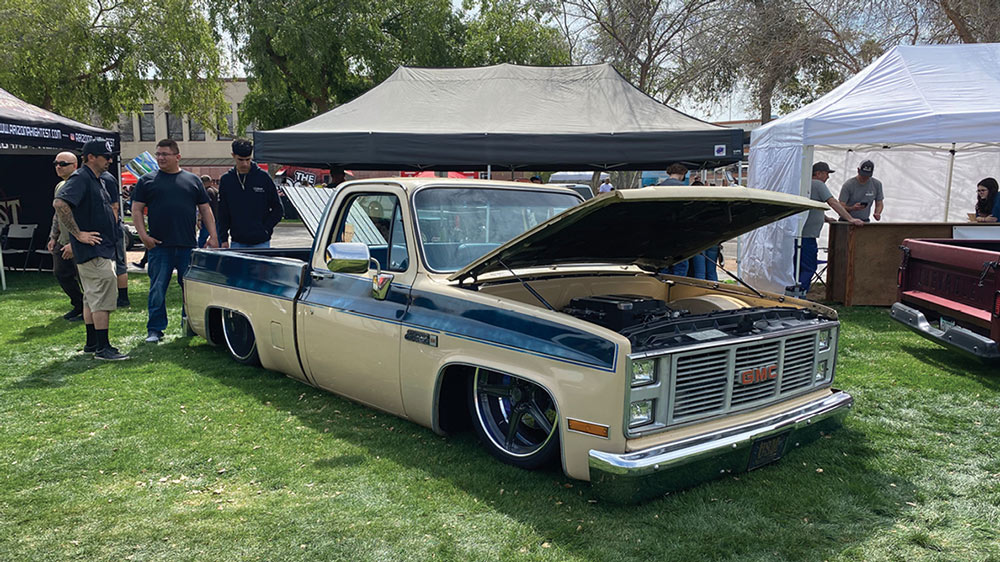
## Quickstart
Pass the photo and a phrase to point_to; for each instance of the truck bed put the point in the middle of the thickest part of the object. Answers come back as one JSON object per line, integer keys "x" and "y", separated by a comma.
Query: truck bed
{"x": 949, "y": 291}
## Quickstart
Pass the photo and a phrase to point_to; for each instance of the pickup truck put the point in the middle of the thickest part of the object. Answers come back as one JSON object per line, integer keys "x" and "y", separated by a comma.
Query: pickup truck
{"x": 543, "y": 322}
{"x": 949, "y": 292}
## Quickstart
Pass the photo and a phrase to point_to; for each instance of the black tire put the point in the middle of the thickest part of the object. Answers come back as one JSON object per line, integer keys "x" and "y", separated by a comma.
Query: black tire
{"x": 515, "y": 419}
{"x": 240, "y": 341}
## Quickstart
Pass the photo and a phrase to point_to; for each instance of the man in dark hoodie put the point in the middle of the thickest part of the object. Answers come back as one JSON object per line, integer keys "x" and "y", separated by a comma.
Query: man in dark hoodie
{"x": 249, "y": 207}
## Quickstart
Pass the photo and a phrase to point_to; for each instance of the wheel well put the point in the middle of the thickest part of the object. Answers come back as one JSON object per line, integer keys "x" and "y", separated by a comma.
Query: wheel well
{"x": 214, "y": 327}
{"x": 452, "y": 399}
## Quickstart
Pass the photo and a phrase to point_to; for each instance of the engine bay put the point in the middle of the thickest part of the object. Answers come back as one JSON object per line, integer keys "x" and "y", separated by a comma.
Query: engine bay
{"x": 655, "y": 324}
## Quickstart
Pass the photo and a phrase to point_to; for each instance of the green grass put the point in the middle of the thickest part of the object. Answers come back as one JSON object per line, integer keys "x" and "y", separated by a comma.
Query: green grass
{"x": 180, "y": 454}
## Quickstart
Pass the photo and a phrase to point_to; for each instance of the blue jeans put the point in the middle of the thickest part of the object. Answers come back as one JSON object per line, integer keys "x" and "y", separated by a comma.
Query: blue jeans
{"x": 236, "y": 245}
{"x": 163, "y": 260}
{"x": 202, "y": 237}
{"x": 808, "y": 254}
{"x": 680, "y": 268}
{"x": 703, "y": 265}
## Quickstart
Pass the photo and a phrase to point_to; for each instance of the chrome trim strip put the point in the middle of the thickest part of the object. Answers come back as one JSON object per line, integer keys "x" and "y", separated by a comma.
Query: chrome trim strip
{"x": 729, "y": 448}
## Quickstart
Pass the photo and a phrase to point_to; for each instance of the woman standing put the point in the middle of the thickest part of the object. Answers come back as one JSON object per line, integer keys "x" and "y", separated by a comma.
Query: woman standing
{"x": 987, "y": 202}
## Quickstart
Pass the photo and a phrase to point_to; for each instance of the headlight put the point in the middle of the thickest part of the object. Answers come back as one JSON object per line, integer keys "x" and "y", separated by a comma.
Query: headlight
{"x": 821, "y": 370}
{"x": 643, "y": 372}
{"x": 640, "y": 413}
{"x": 824, "y": 340}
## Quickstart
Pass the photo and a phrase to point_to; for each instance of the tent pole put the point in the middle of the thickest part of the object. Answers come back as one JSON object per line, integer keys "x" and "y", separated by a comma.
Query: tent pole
{"x": 489, "y": 171}
{"x": 805, "y": 189}
{"x": 951, "y": 170}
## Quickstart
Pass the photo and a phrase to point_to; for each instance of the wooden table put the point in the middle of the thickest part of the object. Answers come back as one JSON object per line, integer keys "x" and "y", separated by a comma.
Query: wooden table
{"x": 862, "y": 261}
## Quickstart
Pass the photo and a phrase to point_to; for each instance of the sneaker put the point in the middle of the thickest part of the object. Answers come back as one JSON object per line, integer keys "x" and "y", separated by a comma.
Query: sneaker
{"x": 123, "y": 302}
{"x": 90, "y": 348}
{"x": 138, "y": 264}
{"x": 74, "y": 315}
{"x": 110, "y": 354}
{"x": 154, "y": 336}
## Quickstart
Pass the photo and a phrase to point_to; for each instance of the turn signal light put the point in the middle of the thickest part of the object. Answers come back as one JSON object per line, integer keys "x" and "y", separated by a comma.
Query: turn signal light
{"x": 587, "y": 427}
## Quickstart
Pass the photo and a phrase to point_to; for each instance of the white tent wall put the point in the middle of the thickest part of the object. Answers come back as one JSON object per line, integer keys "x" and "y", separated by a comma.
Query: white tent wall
{"x": 903, "y": 112}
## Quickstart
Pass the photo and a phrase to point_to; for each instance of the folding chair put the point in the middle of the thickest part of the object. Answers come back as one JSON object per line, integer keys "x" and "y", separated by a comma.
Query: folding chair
{"x": 20, "y": 239}
{"x": 819, "y": 278}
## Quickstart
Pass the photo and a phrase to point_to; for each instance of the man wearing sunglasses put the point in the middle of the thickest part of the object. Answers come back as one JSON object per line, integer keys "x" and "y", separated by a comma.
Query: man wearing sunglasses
{"x": 62, "y": 253}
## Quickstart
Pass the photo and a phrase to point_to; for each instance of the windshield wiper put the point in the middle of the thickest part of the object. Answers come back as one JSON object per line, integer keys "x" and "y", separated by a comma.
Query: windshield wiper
{"x": 528, "y": 287}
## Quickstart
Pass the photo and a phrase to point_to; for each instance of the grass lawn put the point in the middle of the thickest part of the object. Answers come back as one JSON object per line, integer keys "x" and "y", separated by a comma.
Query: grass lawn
{"x": 181, "y": 454}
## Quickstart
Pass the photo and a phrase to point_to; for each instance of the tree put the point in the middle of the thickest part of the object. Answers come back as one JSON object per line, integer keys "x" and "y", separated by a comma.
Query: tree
{"x": 96, "y": 59}
{"x": 304, "y": 57}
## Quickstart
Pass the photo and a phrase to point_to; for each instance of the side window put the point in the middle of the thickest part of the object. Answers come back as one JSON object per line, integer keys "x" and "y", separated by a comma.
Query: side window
{"x": 375, "y": 220}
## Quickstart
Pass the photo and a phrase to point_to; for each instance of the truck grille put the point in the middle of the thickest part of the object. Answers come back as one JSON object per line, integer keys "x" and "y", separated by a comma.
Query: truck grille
{"x": 709, "y": 382}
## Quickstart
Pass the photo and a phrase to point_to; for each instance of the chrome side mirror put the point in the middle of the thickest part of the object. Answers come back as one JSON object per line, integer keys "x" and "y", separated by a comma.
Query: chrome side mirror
{"x": 347, "y": 257}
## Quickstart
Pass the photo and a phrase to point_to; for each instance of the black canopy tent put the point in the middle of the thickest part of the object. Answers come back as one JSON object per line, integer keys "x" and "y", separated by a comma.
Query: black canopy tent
{"x": 29, "y": 138}
{"x": 504, "y": 117}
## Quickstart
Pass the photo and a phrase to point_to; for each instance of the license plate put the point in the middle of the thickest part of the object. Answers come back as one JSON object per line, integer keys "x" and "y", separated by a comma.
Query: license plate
{"x": 946, "y": 323}
{"x": 766, "y": 450}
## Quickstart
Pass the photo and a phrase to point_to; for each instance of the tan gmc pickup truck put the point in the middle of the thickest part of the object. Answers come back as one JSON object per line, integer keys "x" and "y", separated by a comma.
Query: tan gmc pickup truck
{"x": 543, "y": 322}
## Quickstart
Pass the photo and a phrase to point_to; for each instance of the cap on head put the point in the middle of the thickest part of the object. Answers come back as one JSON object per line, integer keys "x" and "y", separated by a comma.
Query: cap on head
{"x": 867, "y": 168}
{"x": 242, "y": 147}
{"x": 206, "y": 178}
{"x": 99, "y": 148}
{"x": 822, "y": 167}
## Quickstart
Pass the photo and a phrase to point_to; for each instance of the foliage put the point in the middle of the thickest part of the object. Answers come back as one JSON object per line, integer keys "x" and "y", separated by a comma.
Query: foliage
{"x": 304, "y": 57}
{"x": 181, "y": 454}
{"x": 97, "y": 59}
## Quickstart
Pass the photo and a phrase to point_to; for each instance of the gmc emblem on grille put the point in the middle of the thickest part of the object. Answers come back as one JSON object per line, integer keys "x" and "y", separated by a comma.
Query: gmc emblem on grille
{"x": 760, "y": 374}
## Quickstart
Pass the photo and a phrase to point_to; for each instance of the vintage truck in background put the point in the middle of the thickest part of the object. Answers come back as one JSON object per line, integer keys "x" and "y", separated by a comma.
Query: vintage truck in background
{"x": 949, "y": 292}
{"x": 543, "y": 321}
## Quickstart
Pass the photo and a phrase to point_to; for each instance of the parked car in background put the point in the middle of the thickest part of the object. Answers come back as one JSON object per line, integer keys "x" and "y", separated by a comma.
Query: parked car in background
{"x": 508, "y": 307}
{"x": 582, "y": 189}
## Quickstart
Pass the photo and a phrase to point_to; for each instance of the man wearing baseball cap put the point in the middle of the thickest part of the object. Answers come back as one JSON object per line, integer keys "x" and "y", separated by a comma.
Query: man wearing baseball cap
{"x": 808, "y": 252}
{"x": 84, "y": 208}
{"x": 249, "y": 207}
{"x": 861, "y": 192}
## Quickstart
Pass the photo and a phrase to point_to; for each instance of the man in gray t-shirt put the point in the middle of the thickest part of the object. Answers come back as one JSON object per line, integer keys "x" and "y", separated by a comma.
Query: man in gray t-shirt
{"x": 808, "y": 250}
{"x": 861, "y": 192}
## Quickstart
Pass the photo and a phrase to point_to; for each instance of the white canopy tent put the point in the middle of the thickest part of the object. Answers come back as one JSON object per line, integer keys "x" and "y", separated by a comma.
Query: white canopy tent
{"x": 927, "y": 116}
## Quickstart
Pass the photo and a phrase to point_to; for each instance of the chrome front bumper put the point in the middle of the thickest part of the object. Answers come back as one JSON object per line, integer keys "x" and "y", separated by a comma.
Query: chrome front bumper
{"x": 954, "y": 337}
{"x": 638, "y": 475}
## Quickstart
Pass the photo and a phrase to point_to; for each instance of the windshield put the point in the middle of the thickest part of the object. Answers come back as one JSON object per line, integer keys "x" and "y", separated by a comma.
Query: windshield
{"x": 458, "y": 225}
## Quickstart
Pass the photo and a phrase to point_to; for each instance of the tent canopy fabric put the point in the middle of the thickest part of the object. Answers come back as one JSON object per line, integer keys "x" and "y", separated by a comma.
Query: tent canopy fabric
{"x": 927, "y": 116}
{"x": 26, "y": 128}
{"x": 505, "y": 116}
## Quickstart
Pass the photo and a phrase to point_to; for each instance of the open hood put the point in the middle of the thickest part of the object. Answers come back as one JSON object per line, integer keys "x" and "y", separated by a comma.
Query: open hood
{"x": 652, "y": 227}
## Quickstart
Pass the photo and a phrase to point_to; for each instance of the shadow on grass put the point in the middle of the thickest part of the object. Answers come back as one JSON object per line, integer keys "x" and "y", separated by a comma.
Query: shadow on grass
{"x": 789, "y": 510}
{"x": 55, "y": 326}
{"x": 55, "y": 373}
{"x": 955, "y": 363}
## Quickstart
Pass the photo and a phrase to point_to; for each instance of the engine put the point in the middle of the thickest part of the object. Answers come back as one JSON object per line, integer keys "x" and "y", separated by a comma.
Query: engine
{"x": 654, "y": 324}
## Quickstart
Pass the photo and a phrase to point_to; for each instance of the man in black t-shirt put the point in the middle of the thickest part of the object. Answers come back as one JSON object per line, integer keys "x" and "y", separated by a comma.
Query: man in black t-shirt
{"x": 84, "y": 208}
{"x": 171, "y": 196}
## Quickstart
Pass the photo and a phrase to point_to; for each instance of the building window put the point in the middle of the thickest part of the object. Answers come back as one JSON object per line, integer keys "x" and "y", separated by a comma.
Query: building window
{"x": 228, "y": 133}
{"x": 175, "y": 127}
{"x": 147, "y": 123}
{"x": 125, "y": 128}
{"x": 195, "y": 131}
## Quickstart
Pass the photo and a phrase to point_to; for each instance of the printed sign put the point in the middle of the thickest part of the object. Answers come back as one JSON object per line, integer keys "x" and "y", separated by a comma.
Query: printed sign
{"x": 720, "y": 150}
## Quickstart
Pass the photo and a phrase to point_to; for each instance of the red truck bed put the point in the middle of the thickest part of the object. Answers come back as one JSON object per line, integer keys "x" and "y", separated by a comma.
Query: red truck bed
{"x": 949, "y": 291}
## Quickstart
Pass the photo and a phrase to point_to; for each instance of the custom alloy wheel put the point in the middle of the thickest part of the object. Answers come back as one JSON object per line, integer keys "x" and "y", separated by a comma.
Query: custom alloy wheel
{"x": 515, "y": 419}
{"x": 240, "y": 341}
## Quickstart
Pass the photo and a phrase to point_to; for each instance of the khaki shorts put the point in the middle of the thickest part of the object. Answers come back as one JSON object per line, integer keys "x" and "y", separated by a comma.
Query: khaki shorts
{"x": 100, "y": 284}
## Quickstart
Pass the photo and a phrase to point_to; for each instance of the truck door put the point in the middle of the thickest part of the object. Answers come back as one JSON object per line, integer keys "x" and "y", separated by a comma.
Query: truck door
{"x": 352, "y": 339}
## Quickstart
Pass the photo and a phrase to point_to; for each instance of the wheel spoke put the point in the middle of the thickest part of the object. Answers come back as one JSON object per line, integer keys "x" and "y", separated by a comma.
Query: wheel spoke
{"x": 515, "y": 420}
{"x": 540, "y": 419}
{"x": 498, "y": 390}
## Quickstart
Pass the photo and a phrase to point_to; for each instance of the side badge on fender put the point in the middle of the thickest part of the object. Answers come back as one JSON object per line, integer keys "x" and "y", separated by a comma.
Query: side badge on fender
{"x": 421, "y": 337}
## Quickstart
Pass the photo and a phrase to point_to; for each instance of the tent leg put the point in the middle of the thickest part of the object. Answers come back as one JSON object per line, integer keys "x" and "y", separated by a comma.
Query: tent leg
{"x": 951, "y": 173}
{"x": 489, "y": 171}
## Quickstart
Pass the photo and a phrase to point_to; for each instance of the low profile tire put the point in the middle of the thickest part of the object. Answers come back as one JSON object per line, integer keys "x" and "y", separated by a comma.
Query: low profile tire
{"x": 515, "y": 419}
{"x": 239, "y": 337}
